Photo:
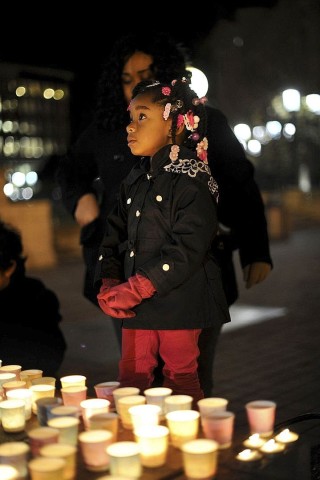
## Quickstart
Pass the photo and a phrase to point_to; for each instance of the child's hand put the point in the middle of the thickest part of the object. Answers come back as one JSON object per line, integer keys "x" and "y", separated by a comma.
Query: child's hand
{"x": 129, "y": 294}
{"x": 113, "y": 312}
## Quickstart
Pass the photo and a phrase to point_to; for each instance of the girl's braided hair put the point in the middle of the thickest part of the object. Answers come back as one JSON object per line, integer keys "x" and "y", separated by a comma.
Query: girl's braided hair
{"x": 182, "y": 105}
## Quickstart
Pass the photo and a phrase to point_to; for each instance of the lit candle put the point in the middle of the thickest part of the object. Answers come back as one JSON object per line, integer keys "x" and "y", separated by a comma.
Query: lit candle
{"x": 286, "y": 436}
{"x": 13, "y": 415}
{"x": 254, "y": 441}
{"x": 7, "y": 472}
{"x": 248, "y": 455}
{"x": 271, "y": 446}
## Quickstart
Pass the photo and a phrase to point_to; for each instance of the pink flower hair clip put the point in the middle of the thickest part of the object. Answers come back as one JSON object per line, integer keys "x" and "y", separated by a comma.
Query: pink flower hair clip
{"x": 166, "y": 91}
{"x": 202, "y": 148}
{"x": 196, "y": 101}
{"x": 180, "y": 120}
{"x": 191, "y": 121}
{"x": 166, "y": 111}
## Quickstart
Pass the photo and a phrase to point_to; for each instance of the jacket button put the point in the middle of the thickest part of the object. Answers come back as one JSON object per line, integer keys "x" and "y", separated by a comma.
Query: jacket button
{"x": 128, "y": 201}
{"x": 165, "y": 267}
{"x": 138, "y": 213}
{"x": 159, "y": 198}
{"x": 100, "y": 258}
{"x": 132, "y": 253}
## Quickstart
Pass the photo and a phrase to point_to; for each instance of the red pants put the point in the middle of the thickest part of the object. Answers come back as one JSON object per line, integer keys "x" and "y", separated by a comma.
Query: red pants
{"x": 179, "y": 351}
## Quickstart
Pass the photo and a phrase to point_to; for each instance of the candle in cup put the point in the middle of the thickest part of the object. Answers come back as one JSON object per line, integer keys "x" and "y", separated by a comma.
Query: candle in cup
{"x": 7, "y": 472}
{"x": 286, "y": 436}
{"x": 254, "y": 441}
{"x": 91, "y": 406}
{"x": 16, "y": 455}
{"x": 249, "y": 455}
{"x": 40, "y": 391}
{"x": 153, "y": 441}
{"x": 93, "y": 448}
{"x": 29, "y": 375}
{"x": 16, "y": 369}
{"x": 271, "y": 446}
{"x": 73, "y": 381}
{"x": 183, "y": 426}
{"x": 22, "y": 394}
{"x": 125, "y": 458}
{"x": 200, "y": 458}
{"x": 13, "y": 415}
{"x": 65, "y": 451}
{"x": 46, "y": 468}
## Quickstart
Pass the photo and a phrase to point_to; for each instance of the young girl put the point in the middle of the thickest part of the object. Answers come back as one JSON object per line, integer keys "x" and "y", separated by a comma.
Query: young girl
{"x": 155, "y": 261}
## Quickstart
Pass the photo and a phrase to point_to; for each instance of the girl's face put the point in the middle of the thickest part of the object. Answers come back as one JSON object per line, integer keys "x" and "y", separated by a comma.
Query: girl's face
{"x": 147, "y": 130}
{"x": 136, "y": 69}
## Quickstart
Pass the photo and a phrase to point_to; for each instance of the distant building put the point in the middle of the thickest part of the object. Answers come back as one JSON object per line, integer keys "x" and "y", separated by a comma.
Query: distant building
{"x": 34, "y": 125}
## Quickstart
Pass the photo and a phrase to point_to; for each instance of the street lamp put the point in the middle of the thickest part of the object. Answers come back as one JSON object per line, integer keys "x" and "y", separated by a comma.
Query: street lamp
{"x": 291, "y": 100}
{"x": 199, "y": 82}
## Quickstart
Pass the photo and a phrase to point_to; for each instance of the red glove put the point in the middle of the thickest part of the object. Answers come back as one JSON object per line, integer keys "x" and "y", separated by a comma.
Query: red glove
{"x": 129, "y": 294}
{"x": 107, "y": 284}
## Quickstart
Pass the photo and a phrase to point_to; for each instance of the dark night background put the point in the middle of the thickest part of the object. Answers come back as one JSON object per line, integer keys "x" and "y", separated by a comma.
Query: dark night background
{"x": 79, "y": 41}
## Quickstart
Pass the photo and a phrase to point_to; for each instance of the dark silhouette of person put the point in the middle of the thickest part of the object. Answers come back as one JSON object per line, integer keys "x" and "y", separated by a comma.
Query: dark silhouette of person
{"x": 90, "y": 174}
{"x": 30, "y": 312}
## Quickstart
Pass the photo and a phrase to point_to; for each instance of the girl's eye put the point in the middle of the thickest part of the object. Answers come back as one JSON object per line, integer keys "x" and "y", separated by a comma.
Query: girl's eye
{"x": 142, "y": 116}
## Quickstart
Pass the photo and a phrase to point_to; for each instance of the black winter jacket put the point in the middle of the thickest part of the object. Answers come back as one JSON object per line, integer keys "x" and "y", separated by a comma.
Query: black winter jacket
{"x": 100, "y": 159}
{"x": 163, "y": 228}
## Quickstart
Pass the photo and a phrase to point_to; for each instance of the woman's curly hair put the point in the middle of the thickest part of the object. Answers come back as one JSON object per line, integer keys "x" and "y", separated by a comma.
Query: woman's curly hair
{"x": 168, "y": 63}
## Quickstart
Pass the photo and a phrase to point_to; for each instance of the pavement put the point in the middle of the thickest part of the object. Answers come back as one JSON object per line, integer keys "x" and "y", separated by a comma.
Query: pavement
{"x": 269, "y": 351}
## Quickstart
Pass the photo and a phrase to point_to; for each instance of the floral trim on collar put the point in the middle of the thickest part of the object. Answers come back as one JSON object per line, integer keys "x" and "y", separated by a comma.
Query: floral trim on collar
{"x": 191, "y": 167}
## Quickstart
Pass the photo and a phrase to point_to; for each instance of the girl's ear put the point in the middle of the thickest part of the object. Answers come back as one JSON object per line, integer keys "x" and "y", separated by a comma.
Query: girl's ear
{"x": 180, "y": 129}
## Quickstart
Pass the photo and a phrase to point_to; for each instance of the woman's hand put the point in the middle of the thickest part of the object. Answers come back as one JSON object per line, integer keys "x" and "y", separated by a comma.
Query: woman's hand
{"x": 87, "y": 209}
{"x": 255, "y": 273}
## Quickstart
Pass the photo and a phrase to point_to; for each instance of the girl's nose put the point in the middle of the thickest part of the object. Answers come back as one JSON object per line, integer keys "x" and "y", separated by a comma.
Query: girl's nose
{"x": 130, "y": 128}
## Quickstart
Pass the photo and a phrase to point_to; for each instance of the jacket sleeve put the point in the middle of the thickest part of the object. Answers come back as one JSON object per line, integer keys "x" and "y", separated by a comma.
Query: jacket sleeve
{"x": 77, "y": 170}
{"x": 241, "y": 206}
{"x": 110, "y": 258}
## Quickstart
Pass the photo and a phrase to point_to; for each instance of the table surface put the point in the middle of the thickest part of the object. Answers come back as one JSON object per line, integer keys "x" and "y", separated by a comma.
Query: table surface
{"x": 299, "y": 461}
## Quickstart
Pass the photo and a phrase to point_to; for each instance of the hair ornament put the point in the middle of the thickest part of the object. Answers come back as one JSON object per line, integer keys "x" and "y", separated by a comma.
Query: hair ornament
{"x": 174, "y": 151}
{"x": 191, "y": 121}
{"x": 153, "y": 84}
{"x": 167, "y": 110}
{"x": 173, "y": 82}
{"x": 180, "y": 120}
{"x": 166, "y": 91}
{"x": 196, "y": 101}
{"x": 195, "y": 136}
{"x": 175, "y": 106}
{"x": 202, "y": 148}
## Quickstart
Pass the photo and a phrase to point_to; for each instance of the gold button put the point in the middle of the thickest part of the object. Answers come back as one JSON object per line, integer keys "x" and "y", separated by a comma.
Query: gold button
{"x": 129, "y": 201}
{"x": 101, "y": 257}
{"x": 132, "y": 253}
{"x": 159, "y": 198}
{"x": 138, "y": 213}
{"x": 165, "y": 267}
